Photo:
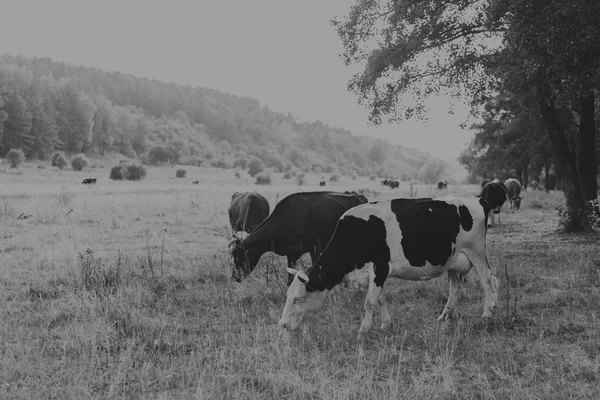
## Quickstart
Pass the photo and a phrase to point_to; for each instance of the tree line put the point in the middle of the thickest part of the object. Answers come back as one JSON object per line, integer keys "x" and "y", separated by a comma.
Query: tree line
{"x": 47, "y": 106}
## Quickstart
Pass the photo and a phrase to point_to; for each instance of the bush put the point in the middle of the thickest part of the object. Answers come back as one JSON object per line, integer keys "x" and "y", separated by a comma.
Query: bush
{"x": 237, "y": 174}
{"x": 180, "y": 173}
{"x": 354, "y": 176}
{"x": 136, "y": 172}
{"x": 220, "y": 164}
{"x": 16, "y": 157}
{"x": 263, "y": 179}
{"x": 61, "y": 161}
{"x": 287, "y": 175}
{"x": 255, "y": 166}
{"x": 55, "y": 156}
{"x": 240, "y": 162}
{"x": 79, "y": 162}
{"x": 118, "y": 173}
{"x": 334, "y": 177}
{"x": 300, "y": 179}
{"x": 372, "y": 177}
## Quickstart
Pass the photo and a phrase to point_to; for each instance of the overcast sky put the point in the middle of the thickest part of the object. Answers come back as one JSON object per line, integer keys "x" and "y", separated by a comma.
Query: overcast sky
{"x": 282, "y": 52}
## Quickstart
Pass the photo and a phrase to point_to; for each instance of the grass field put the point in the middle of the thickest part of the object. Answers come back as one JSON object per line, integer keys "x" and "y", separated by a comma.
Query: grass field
{"x": 122, "y": 290}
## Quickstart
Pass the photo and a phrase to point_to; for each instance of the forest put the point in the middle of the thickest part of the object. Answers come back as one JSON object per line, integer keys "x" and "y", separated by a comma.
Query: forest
{"x": 47, "y": 105}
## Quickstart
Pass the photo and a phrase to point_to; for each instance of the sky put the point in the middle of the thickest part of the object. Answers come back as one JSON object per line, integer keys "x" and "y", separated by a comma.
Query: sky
{"x": 283, "y": 53}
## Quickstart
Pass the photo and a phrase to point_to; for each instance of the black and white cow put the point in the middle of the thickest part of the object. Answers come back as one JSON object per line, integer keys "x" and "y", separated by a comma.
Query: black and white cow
{"x": 513, "y": 192}
{"x": 494, "y": 193}
{"x": 410, "y": 239}
{"x": 442, "y": 185}
{"x": 89, "y": 181}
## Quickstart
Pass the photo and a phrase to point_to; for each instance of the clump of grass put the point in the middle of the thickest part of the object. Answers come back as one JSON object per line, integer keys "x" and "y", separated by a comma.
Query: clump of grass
{"x": 180, "y": 173}
{"x": 96, "y": 277}
{"x": 536, "y": 205}
{"x": 263, "y": 179}
{"x": 300, "y": 179}
{"x": 65, "y": 199}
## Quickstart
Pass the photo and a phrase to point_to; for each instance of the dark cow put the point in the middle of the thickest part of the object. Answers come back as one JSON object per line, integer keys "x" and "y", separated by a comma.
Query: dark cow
{"x": 494, "y": 193}
{"x": 195, "y": 183}
{"x": 322, "y": 183}
{"x": 442, "y": 185}
{"x": 300, "y": 223}
{"x": 89, "y": 181}
{"x": 410, "y": 239}
{"x": 385, "y": 182}
{"x": 513, "y": 192}
{"x": 246, "y": 211}
{"x": 393, "y": 184}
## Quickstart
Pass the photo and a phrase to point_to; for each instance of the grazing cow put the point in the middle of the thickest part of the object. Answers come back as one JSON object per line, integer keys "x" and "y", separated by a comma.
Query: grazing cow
{"x": 494, "y": 193}
{"x": 385, "y": 182}
{"x": 410, "y": 239}
{"x": 195, "y": 183}
{"x": 300, "y": 223}
{"x": 442, "y": 185}
{"x": 89, "y": 181}
{"x": 513, "y": 192}
{"x": 246, "y": 211}
{"x": 393, "y": 184}
{"x": 322, "y": 183}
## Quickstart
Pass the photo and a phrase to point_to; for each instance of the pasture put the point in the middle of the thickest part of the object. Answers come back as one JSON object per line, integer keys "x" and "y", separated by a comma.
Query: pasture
{"x": 123, "y": 290}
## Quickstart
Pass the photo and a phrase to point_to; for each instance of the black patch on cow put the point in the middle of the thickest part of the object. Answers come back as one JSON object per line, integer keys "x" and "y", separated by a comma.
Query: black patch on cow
{"x": 355, "y": 242}
{"x": 466, "y": 219}
{"x": 429, "y": 229}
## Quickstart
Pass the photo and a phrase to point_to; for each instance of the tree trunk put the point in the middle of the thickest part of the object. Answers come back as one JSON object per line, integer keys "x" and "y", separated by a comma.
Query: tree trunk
{"x": 572, "y": 220}
{"x": 547, "y": 177}
{"x": 585, "y": 148}
{"x": 525, "y": 180}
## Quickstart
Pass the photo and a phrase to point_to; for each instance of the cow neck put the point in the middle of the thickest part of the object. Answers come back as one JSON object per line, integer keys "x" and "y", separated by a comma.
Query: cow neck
{"x": 329, "y": 270}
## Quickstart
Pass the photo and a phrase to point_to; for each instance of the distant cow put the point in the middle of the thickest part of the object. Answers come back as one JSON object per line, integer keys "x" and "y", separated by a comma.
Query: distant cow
{"x": 300, "y": 223}
{"x": 410, "y": 239}
{"x": 89, "y": 181}
{"x": 393, "y": 184}
{"x": 513, "y": 192}
{"x": 442, "y": 185}
{"x": 195, "y": 183}
{"x": 246, "y": 211}
{"x": 494, "y": 193}
{"x": 385, "y": 182}
{"x": 322, "y": 183}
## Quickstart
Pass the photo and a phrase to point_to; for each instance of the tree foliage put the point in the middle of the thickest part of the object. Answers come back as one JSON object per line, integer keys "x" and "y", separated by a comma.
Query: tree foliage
{"x": 15, "y": 157}
{"x": 544, "y": 53}
{"x": 79, "y": 162}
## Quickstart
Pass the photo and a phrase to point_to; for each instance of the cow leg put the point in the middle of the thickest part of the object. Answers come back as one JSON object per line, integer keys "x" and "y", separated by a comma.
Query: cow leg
{"x": 291, "y": 264}
{"x": 489, "y": 283}
{"x": 386, "y": 319}
{"x": 371, "y": 302}
{"x": 454, "y": 280}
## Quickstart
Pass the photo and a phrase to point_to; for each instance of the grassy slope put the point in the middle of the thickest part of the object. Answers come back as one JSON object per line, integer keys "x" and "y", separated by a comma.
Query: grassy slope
{"x": 176, "y": 327}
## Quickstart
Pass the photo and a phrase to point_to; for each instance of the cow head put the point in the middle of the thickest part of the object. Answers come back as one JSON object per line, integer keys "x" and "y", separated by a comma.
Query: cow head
{"x": 241, "y": 264}
{"x": 517, "y": 202}
{"x": 302, "y": 300}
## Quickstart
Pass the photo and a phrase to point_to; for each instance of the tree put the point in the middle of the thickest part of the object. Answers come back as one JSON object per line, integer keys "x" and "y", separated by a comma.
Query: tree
{"x": 61, "y": 161}
{"x": 15, "y": 157}
{"x": 377, "y": 155}
{"x": 158, "y": 155}
{"x": 545, "y": 51}
{"x": 255, "y": 166}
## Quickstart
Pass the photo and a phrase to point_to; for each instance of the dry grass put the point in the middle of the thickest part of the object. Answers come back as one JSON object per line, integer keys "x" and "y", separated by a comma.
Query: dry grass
{"x": 150, "y": 312}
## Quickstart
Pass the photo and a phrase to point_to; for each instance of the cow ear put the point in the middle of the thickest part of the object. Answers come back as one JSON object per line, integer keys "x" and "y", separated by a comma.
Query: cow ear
{"x": 302, "y": 277}
{"x": 292, "y": 271}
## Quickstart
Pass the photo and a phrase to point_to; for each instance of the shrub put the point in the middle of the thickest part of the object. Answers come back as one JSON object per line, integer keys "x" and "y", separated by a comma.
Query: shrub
{"x": 180, "y": 173}
{"x": 354, "y": 176}
{"x": 237, "y": 174}
{"x": 287, "y": 175}
{"x": 79, "y": 162}
{"x": 118, "y": 173}
{"x": 61, "y": 161}
{"x": 334, "y": 177}
{"x": 16, "y": 157}
{"x": 240, "y": 162}
{"x": 300, "y": 179}
{"x": 220, "y": 164}
{"x": 136, "y": 172}
{"x": 55, "y": 156}
{"x": 372, "y": 177}
{"x": 255, "y": 166}
{"x": 263, "y": 179}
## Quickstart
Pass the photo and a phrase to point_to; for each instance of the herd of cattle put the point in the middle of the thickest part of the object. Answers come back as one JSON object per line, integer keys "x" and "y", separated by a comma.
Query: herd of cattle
{"x": 360, "y": 243}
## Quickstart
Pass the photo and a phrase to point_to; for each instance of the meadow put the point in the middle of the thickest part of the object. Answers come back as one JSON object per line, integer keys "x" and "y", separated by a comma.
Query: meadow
{"x": 122, "y": 290}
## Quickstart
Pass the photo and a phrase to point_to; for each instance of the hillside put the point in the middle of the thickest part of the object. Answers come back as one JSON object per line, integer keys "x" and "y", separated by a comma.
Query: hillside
{"x": 47, "y": 106}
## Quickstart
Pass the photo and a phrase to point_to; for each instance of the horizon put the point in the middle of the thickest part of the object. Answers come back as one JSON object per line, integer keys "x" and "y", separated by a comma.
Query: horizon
{"x": 247, "y": 61}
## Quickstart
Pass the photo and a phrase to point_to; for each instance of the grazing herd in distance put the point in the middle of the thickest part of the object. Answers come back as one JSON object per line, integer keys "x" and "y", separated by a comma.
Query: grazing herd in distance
{"x": 360, "y": 243}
